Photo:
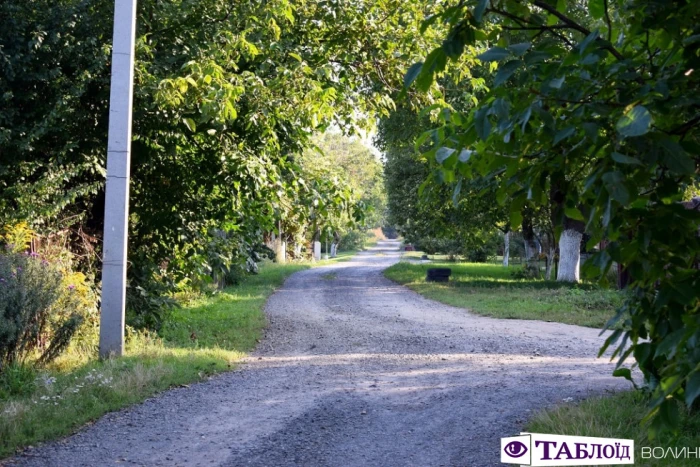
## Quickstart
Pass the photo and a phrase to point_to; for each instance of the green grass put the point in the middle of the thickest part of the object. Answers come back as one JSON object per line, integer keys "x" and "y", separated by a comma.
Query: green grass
{"x": 231, "y": 319}
{"x": 490, "y": 290}
{"x": 203, "y": 338}
{"x": 619, "y": 416}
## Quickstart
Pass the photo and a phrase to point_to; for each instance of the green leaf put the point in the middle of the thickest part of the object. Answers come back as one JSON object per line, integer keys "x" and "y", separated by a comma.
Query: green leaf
{"x": 435, "y": 62}
{"x": 574, "y": 213}
{"x": 506, "y": 71}
{"x": 614, "y": 183}
{"x": 596, "y": 8}
{"x": 669, "y": 345}
{"x": 516, "y": 219}
{"x": 587, "y": 41}
{"x": 412, "y": 74}
{"x": 465, "y": 155}
{"x": 189, "y": 123}
{"x": 443, "y": 154}
{"x": 692, "y": 388}
{"x": 676, "y": 158}
{"x": 295, "y": 56}
{"x": 556, "y": 83}
{"x": 482, "y": 123}
{"x": 428, "y": 22}
{"x": 494, "y": 54}
{"x": 479, "y": 10}
{"x": 563, "y": 134}
{"x": 635, "y": 122}
{"x": 622, "y": 159}
{"x": 623, "y": 373}
{"x": 520, "y": 49}
{"x": 691, "y": 40}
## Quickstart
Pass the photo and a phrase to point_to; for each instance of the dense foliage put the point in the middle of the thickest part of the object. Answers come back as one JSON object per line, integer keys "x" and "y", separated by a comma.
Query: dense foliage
{"x": 593, "y": 108}
{"x": 226, "y": 95}
{"x": 43, "y": 305}
{"x": 423, "y": 209}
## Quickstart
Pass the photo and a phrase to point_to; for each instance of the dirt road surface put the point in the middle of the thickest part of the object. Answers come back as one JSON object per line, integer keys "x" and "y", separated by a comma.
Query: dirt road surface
{"x": 355, "y": 370}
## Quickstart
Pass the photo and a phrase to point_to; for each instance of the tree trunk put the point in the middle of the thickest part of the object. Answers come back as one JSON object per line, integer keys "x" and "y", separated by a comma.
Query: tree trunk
{"x": 506, "y": 248}
{"x": 569, "y": 255}
{"x": 280, "y": 250}
{"x": 531, "y": 250}
{"x": 551, "y": 250}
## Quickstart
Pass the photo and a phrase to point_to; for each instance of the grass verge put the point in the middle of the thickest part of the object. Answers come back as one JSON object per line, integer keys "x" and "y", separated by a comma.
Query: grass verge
{"x": 490, "y": 290}
{"x": 619, "y": 416}
{"x": 205, "y": 337}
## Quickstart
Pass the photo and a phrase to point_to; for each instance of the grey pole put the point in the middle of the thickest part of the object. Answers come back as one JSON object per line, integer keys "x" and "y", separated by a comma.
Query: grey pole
{"x": 117, "y": 187}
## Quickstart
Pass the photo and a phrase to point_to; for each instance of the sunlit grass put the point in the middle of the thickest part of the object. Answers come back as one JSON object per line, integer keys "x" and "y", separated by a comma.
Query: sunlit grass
{"x": 204, "y": 337}
{"x": 491, "y": 290}
{"x": 619, "y": 416}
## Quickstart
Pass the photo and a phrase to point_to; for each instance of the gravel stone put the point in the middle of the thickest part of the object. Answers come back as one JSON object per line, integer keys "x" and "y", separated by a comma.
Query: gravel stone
{"x": 354, "y": 371}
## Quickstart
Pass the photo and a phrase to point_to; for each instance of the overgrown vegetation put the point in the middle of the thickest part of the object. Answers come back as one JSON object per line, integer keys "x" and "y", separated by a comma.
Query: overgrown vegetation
{"x": 202, "y": 338}
{"x": 235, "y": 90}
{"x": 620, "y": 416}
{"x": 492, "y": 290}
{"x": 584, "y": 112}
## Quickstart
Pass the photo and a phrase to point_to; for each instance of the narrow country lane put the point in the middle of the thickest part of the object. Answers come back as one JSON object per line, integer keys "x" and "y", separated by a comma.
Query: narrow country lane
{"x": 354, "y": 371}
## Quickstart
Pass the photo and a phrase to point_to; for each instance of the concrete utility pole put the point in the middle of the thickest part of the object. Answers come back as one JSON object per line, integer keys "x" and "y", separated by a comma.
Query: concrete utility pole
{"x": 117, "y": 189}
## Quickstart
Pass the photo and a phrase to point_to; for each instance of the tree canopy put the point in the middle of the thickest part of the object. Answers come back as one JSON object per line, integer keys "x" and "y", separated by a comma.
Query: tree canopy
{"x": 225, "y": 95}
{"x": 591, "y": 106}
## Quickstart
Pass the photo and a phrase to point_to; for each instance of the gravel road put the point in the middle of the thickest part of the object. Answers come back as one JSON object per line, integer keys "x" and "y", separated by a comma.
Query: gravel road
{"x": 354, "y": 370}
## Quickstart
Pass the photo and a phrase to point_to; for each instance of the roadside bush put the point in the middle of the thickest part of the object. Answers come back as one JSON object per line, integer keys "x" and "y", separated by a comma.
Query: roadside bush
{"x": 390, "y": 232}
{"x": 432, "y": 246}
{"x": 477, "y": 255}
{"x": 353, "y": 240}
{"x": 149, "y": 299}
{"x": 17, "y": 380}
{"x": 39, "y": 312}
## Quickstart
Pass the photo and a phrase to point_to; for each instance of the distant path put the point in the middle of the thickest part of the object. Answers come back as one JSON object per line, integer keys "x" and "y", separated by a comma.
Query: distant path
{"x": 355, "y": 371}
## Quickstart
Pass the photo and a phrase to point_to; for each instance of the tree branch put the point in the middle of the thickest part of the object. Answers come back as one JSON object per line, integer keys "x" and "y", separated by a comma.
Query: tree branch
{"x": 577, "y": 27}
{"x": 607, "y": 19}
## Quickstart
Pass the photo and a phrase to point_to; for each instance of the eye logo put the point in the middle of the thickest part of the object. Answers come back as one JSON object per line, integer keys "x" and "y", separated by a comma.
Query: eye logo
{"x": 515, "y": 449}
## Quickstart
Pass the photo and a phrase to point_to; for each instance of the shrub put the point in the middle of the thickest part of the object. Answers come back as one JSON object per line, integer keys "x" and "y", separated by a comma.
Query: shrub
{"x": 353, "y": 240}
{"x": 17, "y": 380}
{"x": 390, "y": 232}
{"x": 148, "y": 298}
{"x": 477, "y": 255}
{"x": 39, "y": 313}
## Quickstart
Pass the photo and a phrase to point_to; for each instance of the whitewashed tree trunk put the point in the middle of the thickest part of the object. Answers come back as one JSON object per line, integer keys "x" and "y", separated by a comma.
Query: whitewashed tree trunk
{"x": 334, "y": 250}
{"x": 317, "y": 250}
{"x": 506, "y": 248}
{"x": 280, "y": 250}
{"x": 569, "y": 255}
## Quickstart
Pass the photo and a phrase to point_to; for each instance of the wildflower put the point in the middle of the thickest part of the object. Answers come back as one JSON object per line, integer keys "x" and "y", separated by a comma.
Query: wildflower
{"x": 44, "y": 262}
{"x": 71, "y": 287}
{"x": 2, "y": 280}
{"x": 34, "y": 254}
